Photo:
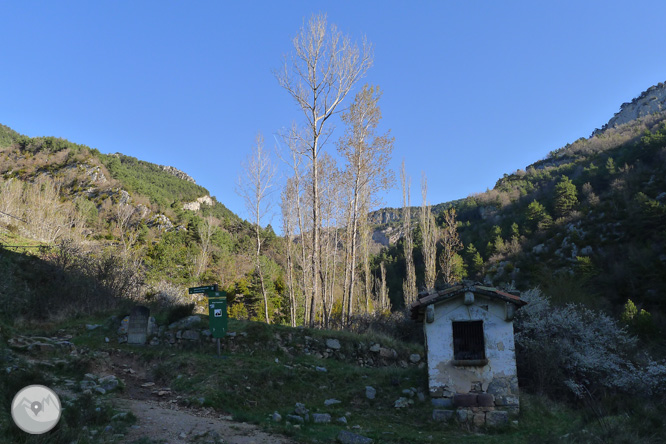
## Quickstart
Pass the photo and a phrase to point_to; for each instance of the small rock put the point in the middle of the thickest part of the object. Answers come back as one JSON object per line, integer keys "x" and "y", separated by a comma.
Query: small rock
{"x": 375, "y": 348}
{"x": 347, "y": 437}
{"x": 296, "y": 419}
{"x": 119, "y": 416}
{"x": 333, "y": 344}
{"x": 183, "y": 435}
{"x": 91, "y": 327}
{"x": 388, "y": 353}
{"x": 414, "y": 358}
{"x": 106, "y": 340}
{"x": 148, "y": 384}
{"x": 402, "y": 403}
{"x": 342, "y": 420}
{"x": 370, "y": 392}
{"x": 321, "y": 369}
{"x": 331, "y": 402}
{"x": 300, "y": 409}
{"x": 276, "y": 417}
{"x": 321, "y": 418}
{"x": 109, "y": 382}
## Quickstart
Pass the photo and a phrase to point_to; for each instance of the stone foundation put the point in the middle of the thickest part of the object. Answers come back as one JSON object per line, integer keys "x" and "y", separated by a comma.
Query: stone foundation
{"x": 477, "y": 408}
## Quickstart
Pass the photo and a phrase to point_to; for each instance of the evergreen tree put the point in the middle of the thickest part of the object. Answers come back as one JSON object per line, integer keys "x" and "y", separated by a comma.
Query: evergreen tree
{"x": 537, "y": 216}
{"x": 566, "y": 196}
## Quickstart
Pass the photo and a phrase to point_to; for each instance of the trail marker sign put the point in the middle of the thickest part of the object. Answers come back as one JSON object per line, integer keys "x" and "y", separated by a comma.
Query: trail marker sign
{"x": 203, "y": 289}
{"x": 217, "y": 313}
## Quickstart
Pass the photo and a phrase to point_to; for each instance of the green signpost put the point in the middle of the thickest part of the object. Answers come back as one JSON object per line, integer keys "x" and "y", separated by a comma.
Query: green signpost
{"x": 217, "y": 313}
{"x": 217, "y": 310}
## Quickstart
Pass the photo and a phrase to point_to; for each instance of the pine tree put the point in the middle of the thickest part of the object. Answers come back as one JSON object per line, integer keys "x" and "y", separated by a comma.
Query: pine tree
{"x": 566, "y": 196}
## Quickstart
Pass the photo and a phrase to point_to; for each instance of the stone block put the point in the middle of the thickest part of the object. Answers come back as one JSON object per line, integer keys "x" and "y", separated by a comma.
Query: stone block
{"x": 485, "y": 400}
{"x": 442, "y": 415}
{"x": 462, "y": 415}
{"x": 442, "y": 403}
{"x": 506, "y": 401}
{"x": 479, "y": 419}
{"x": 465, "y": 400}
{"x": 497, "y": 418}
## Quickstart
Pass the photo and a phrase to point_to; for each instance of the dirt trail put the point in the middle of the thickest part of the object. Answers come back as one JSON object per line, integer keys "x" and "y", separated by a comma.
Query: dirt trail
{"x": 163, "y": 417}
{"x": 159, "y": 422}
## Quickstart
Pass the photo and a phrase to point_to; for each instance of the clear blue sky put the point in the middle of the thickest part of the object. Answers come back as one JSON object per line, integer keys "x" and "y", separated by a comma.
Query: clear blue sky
{"x": 472, "y": 90}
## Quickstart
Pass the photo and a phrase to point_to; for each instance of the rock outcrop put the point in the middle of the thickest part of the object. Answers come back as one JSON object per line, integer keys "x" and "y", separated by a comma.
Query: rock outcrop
{"x": 196, "y": 205}
{"x": 652, "y": 100}
{"x": 178, "y": 173}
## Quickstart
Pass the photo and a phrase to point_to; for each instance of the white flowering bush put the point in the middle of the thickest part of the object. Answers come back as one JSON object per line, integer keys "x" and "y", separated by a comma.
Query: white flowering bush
{"x": 578, "y": 349}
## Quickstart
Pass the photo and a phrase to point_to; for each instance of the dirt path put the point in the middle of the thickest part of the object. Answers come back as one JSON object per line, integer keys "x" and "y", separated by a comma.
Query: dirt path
{"x": 178, "y": 426}
{"x": 163, "y": 417}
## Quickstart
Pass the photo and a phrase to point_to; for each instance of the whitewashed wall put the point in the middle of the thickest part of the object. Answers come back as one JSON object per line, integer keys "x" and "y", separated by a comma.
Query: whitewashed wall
{"x": 445, "y": 379}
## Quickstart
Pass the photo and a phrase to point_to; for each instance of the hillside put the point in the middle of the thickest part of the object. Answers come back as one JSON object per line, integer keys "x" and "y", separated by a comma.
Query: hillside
{"x": 153, "y": 220}
{"x": 585, "y": 223}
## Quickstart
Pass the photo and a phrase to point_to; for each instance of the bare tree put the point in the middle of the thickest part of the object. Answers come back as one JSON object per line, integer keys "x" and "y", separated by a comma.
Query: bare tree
{"x": 298, "y": 199}
{"x": 409, "y": 290}
{"x": 205, "y": 231}
{"x": 367, "y": 155}
{"x": 318, "y": 76}
{"x": 123, "y": 215}
{"x": 429, "y": 235}
{"x": 451, "y": 244}
{"x": 288, "y": 204}
{"x": 384, "y": 301}
{"x": 254, "y": 186}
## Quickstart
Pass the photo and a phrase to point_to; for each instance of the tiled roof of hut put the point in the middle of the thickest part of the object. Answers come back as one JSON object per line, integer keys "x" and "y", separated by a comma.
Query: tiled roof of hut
{"x": 434, "y": 296}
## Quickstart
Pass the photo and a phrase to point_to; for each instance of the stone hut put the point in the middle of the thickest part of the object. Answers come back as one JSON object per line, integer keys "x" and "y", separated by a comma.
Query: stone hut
{"x": 471, "y": 354}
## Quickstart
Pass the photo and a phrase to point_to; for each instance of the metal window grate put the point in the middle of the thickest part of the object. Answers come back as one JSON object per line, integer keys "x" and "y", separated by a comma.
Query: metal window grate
{"x": 468, "y": 342}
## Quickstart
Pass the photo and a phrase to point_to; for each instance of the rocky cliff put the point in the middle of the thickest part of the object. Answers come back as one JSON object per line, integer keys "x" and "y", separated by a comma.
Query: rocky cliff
{"x": 178, "y": 173}
{"x": 652, "y": 100}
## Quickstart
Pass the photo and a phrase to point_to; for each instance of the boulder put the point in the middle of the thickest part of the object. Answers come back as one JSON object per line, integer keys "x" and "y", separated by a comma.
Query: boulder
{"x": 190, "y": 335}
{"x": 333, "y": 344}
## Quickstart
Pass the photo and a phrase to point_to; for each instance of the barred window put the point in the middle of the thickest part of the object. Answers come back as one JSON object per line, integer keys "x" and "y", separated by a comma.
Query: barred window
{"x": 468, "y": 342}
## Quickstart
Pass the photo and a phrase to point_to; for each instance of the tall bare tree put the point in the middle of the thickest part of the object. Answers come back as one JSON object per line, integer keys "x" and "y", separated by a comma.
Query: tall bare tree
{"x": 451, "y": 244}
{"x": 367, "y": 155}
{"x": 429, "y": 234}
{"x": 205, "y": 231}
{"x": 289, "y": 224}
{"x": 409, "y": 289}
{"x": 384, "y": 301}
{"x": 254, "y": 186}
{"x": 319, "y": 74}
{"x": 124, "y": 213}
